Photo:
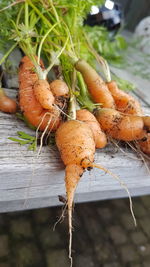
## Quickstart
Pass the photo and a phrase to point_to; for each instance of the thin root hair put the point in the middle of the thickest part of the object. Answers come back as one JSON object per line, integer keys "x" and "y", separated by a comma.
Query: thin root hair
{"x": 122, "y": 185}
{"x": 61, "y": 218}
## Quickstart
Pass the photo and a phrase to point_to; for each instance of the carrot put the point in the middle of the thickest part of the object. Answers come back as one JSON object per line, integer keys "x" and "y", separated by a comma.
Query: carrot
{"x": 43, "y": 94}
{"x": 120, "y": 126}
{"x": 49, "y": 94}
{"x": 87, "y": 117}
{"x": 31, "y": 108}
{"x": 96, "y": 86}
{"x": 146, "y": 120}
{"x": 7, "y": 104}
{"x": 76, "y": 144}
{"x": 60, "y": 91}
{"x": 124, "y": 102}
{"x": 145, "y": 144}
{"x": 59, "y": 88}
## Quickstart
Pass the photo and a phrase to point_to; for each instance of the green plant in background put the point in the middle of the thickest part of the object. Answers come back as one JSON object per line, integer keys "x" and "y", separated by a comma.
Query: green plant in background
{"x": 107, "y": 46}
{"x": 28, "y": 26}
{"x": 7, "y": 15}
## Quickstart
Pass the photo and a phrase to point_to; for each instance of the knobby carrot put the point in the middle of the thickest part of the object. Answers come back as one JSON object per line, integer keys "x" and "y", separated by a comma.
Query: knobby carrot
{"x": 59, "y": 88}
{"x": 75, "y": 142}
{"x": 60, "y": 91}
{"x": 76, "y": 145}
{"x": 87, "y": 117}
{"x": 120, "y": 126}
{"x": 31, "y": 108}
{"x": 43, "y": 94}
{"x": 124, "y": 102}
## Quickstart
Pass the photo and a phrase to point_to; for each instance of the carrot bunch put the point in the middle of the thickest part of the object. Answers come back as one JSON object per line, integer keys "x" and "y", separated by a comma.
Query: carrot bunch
{"x": 118, "y": 116}
{"x": 38, "y": 102}
{"x": 95, "y": 110}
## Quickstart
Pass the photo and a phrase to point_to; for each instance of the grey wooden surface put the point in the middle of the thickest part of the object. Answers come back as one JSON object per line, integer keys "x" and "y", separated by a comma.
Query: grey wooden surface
{"x": 136, "y": 68}
{"x": 28, "y": 181}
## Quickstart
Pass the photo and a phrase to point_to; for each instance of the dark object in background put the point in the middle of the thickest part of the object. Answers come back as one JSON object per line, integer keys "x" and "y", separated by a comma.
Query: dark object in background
{"x": 3, "y": 78}
{"x": 110, "y": 15}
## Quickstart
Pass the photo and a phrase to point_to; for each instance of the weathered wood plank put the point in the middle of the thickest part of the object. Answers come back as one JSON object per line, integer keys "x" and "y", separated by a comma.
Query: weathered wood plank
{"x": 136, "y": 69}
{"x": 28, "y": 181}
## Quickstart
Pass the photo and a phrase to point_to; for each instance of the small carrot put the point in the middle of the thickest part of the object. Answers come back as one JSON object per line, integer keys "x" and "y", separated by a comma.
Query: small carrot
{"x": 146, "y": 120}
{"x": 7, "y": 104}
{"x": 95, "y": 84}
{"x": 60, "y": 91}
{"x": 120, "y": 126}
{"x": 124, "y": 102}
{"x": 144, "y": 144}
{"x": 43, "y": 94}
{"x": 87, "y": 117}
{"x": 59, "y": 88}
{"x": 31, "y": 108}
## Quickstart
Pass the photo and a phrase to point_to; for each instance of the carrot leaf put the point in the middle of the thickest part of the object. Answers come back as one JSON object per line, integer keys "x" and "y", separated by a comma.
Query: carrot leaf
{"x": 25, "y": 139}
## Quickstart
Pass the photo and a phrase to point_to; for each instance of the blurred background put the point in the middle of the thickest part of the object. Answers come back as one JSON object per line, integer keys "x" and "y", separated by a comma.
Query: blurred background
{"x": 104, "y": 235}
{"x": 124, "y": 13}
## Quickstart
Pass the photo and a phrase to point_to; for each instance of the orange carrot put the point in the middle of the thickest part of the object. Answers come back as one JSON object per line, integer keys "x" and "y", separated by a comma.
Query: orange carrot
{"x": 31, "y": 108}
{"x": 87, "y": 117}
{"x": 145, "y": 144}
{"x": 60, "y": 91}
{"x": 146, "y": 120}
{"x": 59, "y": 88}
{"x": 76, "y": 144}
{"x": 43, "y": 94}
{"x": 124, "y": 102}
{"x": 120, "y": 126}
{"x": 7, "y": 104}
{"x": 96, "y": 86}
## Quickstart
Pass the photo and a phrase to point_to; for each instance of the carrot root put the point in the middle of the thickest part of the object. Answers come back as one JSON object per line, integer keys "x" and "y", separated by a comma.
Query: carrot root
{"x": 124, "y": 102}
{"x": 95, "y": 84}
{"x": 87, "y": 117}
{"x": 121, "y": 126}
{"x": 73, "y": 174}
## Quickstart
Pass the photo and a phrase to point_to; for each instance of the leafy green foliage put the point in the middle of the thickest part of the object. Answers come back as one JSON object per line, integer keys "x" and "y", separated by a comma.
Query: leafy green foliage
{"x": 108, "y": 47}
{"x": 25, "y": 139}
{"x": 6, "y": 18}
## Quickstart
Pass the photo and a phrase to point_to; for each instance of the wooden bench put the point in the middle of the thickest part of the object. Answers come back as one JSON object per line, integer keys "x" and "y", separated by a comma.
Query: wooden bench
{"x": 28, "y": 181}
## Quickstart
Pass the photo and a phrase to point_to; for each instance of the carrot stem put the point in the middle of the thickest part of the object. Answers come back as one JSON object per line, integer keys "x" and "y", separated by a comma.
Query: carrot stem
{"x": 41, "y": 16}
{"x": 43, "y": 39}
{"x": 84, "y": 97}
{"x": 99, "y": 59}
{"x": 59, "y": 54}
{"x": 26, "y": 14}
{"x": 54, "y": 10}
{"x": 72, "y": 107}
{"x": 83, "y": 89}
